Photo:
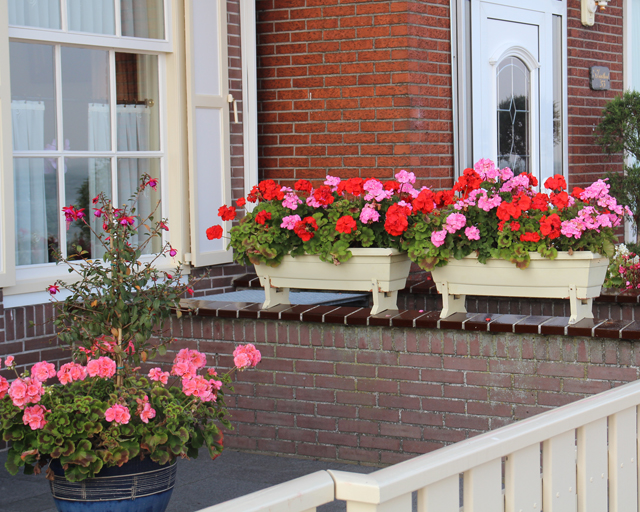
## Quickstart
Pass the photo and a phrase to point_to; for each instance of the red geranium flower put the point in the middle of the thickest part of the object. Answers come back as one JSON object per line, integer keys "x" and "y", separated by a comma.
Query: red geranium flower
{"x": 226, "y": 213}
{"x": 530, "y": 237}
{"x": 541, "y": 202}
{"x": 323, "y": 195}
{"x": 424, "y": 202}
{"x": 515, "y": 226}
{"x": 560, "y": 200}
{"x": 556, "y": 183}
{"x": 396, "y": 221}
{"x": 550, "y": 226}
{"x": 252, "y": 197}
{"x": 346, "y": 224}
{"x": 469, "y": 181}
{"x": 303, "y": 186}
{"x": 271, "y": 190}
{"x": 353, "y": 186}
{"x": 576, "y": 192}
{"x": 214, "y": 232}
{"x": 262, "y": 217}
{"x": 306, "y": 228}
{"x": 445, "y": 198}
{"x": 241, "y": 202}
{"x": 391, "y": 185}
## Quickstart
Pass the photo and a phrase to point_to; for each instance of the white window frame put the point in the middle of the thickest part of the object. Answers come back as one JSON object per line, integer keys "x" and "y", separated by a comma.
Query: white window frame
{"x": 25, "y": 285}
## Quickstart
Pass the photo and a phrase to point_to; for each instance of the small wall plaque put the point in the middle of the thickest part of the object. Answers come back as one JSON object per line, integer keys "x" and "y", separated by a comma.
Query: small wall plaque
{"x": 599, "y": 78}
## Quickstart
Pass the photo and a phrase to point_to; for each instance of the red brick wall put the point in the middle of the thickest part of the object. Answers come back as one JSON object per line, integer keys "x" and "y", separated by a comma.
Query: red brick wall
{"x": 354, "y": 88}
{"x": 380, "y": 395}
{"x": 600, "y": 45}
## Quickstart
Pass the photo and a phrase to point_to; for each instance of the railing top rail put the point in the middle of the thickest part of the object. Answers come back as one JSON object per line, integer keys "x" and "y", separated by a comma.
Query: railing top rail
{"x": 296, "y": 495}
{"x": 411, "y": 475}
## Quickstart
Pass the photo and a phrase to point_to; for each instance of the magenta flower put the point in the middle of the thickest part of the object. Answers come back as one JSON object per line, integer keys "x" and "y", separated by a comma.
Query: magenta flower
{"x": 53, "y": 289}
{"x": 172, "y": 252}
{"x": 126, "y": 221}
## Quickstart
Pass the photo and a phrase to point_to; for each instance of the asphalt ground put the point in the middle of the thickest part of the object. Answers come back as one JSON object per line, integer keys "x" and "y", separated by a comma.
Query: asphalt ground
{"x": 200, "y": 482}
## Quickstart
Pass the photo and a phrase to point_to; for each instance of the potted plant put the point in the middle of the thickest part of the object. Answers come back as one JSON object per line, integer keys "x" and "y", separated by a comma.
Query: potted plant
{"x": 106, "y": 421}
{"x": 501, "y": 236}
{"x": 341, "y": 235}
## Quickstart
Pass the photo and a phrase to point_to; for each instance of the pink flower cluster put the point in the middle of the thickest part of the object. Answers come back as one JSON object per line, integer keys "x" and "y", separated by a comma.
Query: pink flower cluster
{"x": 455, "y": 222}
{"x": 103, "y": 367}
{"x": 71, "y": 372}
{"x": 25, "y": 391}
{"x": 187, "y": 363}
{"x": 118, "y": 413}
{"x": 158, "y": 375}
{"x": 369, "y": 214}
{"x": 34, "y": 416}
{"x": 438, "y": 237}
{"x": 145, "y": 411}
{"x": 246, "y": 356}
{"x": 206, "y": 390}
{"x": 375, "y": 191}
{"x": 290, "y": 222}
{"x": 43, "y": 371}
{"x": 291, "y": 199}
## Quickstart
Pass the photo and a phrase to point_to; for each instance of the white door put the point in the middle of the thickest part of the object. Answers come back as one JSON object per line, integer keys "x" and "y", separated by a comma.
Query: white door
{"x": 513, "y": 110}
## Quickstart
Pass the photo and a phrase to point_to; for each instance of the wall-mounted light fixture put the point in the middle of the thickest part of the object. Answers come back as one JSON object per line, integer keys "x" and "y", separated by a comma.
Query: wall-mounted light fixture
{"x": 589, "y": 8}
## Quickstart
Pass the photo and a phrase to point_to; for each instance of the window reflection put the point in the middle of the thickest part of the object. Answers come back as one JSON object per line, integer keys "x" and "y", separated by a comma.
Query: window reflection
{"x": 513, "y": 86}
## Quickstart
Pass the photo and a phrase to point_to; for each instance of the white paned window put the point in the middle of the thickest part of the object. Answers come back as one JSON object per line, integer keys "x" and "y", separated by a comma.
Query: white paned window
{"x": 87, "y": 117}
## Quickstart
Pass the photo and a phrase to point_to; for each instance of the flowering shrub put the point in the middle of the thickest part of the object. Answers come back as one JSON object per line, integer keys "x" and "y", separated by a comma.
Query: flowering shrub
{"x": 489, "y": 211}
{"x": 624, "y": 269}
{"x": 102, "y": 411}
{"x": 88, "y": 422}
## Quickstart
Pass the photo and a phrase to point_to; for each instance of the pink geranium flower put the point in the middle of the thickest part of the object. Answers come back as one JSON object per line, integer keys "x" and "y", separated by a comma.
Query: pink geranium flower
{"x": 8, "y": 362}
{"x": 246, "y": 356}
{"x": 34, "y": 416}
{"x": 4, "y": 387}
{"x": 103, "y": 367}
{"x": 158, "y": 375}
{"x": 118, "y": 413}
{"x": 71, "y": 372}
{"x": 43, "y": 371}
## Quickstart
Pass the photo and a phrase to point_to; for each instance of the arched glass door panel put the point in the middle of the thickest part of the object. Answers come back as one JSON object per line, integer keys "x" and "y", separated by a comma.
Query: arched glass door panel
{"x": 514, "y": 116}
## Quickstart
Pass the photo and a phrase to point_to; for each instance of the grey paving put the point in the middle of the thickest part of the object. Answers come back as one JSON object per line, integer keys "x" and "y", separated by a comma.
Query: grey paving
{"x": 201, "y": 482}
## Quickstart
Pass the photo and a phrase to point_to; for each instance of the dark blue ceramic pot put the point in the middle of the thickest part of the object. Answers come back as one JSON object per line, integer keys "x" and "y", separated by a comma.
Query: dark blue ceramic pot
{"x": 137, "y": 486}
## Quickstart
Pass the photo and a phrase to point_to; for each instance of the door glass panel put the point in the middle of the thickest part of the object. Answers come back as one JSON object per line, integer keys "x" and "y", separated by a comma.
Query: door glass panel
{"x": 35, "y": 13}
{"x": 513, "y": 90}
{"x": 558, "y": 150}
{"x": 85, "y": 99}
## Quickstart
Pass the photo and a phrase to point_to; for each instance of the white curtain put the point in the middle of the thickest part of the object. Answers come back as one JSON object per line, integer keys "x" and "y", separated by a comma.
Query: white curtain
{"x": 135, "y": 21}
{"x": 31, "y": 215}
{"x": 96, "y": 16}
{"x": 133, "y": 135}
{"x": 35, "y": 13}
{"x": 99, "y": 168}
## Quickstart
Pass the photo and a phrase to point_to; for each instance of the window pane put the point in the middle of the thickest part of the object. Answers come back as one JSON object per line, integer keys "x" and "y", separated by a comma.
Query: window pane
{"x": 95, "y": 16}
{"x": 513, "y": 88}
{"x": 35, "y": 13}
{"x": 130, "y": 170}
{"x": 36, "y": 199}
{"x": 138, "y": 126}
{"x": 558, "y": 151}
{"x": 142, "y": 18}
{"x": 84, "y": 179}
{"x": 85, "y": 99}
{"x": 33, "y": 112}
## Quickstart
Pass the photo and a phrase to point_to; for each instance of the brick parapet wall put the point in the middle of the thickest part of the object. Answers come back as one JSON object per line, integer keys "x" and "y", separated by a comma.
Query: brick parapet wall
{"x": 381, "y": 395}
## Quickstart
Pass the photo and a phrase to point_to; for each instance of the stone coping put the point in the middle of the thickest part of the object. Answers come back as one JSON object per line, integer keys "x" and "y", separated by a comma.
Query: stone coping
{"x": 488, "y": 322}
{"x": 424, "y": 285}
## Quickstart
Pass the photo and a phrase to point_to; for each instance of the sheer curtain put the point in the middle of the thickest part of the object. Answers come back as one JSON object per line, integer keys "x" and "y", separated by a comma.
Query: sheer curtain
{"x": 133, "y": 135}
{"x": 99, "y": 177}
{"x": 94, "y": 16}
{"x": 35, "y": 13}
{"x": 31, "y": 215}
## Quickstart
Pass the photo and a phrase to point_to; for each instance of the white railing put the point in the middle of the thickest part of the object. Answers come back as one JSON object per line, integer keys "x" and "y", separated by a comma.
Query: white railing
{"x": 582, "y": 457}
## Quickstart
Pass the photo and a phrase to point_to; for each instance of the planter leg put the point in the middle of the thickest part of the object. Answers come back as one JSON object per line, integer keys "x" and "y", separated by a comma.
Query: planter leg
{"x": 580, "y": 308}
{"x": 273, "y": 296}
{"x": 451, "y": 303}
{"x": 383, "y": 300}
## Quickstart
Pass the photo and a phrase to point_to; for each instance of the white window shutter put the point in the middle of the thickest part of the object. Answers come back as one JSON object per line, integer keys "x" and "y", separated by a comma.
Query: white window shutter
{"x": 7, "y": 229}
{"x": 208, "y": 126}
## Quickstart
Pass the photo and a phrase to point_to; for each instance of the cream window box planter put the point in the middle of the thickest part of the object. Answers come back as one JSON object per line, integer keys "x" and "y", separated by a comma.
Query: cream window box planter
{"x": 380, "y": 271}
{"x": 577, "y": 277}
